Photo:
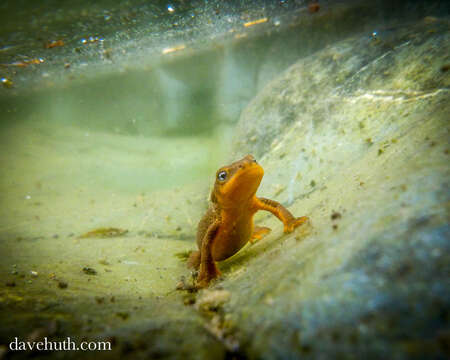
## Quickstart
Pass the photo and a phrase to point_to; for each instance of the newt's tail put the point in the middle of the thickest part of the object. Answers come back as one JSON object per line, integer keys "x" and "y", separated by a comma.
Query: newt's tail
{"x": 194, "y": 260}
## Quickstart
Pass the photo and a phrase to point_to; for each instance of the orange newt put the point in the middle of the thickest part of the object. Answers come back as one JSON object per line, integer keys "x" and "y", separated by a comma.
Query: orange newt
{"x": 228, "y": 223}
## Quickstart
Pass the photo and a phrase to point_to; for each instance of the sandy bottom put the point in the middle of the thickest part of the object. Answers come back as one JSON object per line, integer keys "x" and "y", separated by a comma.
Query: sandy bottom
{"x": 60, "y": 182}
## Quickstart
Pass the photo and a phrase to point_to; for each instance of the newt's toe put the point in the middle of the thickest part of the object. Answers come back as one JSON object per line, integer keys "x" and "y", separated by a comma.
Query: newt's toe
{"x": 201, "y": 284}
{"x": 207, "y": 273}
{"x": 203, "y": 281}
{"x": 288, "y": 228}
{"x": 258, "y": 233}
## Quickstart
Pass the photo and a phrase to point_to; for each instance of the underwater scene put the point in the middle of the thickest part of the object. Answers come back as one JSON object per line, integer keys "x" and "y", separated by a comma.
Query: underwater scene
{"x": 225, "y": 179}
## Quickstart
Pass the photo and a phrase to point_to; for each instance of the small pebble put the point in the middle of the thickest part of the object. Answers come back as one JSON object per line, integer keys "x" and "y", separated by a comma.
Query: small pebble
{"x": 62, "y": 285}
{"x": 89, "y": 271}
{"x": 335, "y": 215}
{"x": 211, "y": 300}
{"x": 123, "y": 315}
{"x": 7, "y": 83}
{"x": 189, "y": 299}
{"x": 104, "y": 262}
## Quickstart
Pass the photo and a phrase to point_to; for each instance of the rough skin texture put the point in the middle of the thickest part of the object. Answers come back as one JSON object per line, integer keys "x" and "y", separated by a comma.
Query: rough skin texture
{"x": 228, "y": 223}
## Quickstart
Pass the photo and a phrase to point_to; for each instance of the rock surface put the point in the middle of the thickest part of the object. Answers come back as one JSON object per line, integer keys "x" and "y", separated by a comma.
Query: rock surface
{"x": 359, "y": 134}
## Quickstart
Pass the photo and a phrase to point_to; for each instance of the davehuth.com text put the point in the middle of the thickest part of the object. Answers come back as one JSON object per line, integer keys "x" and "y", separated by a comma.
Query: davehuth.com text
{"x": 64, "y": 345}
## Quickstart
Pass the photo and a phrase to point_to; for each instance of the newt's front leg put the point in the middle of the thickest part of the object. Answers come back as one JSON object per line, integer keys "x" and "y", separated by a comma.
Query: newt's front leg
{"x": 290, "y": 222}
{"x": 208, "y": 268}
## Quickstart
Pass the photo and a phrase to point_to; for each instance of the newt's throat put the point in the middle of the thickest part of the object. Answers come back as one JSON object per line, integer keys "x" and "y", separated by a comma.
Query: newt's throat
{"x": 242, "y": 186}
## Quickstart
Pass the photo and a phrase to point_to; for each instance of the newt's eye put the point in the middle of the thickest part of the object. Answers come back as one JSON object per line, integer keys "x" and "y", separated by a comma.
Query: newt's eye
{"x": 222, "y": 175}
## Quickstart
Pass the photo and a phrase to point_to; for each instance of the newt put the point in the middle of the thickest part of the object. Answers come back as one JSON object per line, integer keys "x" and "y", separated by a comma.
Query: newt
{"x": 228, "y": 223}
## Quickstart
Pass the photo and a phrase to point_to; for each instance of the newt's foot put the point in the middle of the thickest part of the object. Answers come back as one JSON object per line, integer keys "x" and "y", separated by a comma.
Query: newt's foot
{"x": 258, "y": 233}
{"x": 203, "y": 283}
{"x": 207, "y": 273}
{"x": 291, "y": 225}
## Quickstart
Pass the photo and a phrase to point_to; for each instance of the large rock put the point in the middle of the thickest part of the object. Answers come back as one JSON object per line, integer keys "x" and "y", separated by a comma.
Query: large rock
{"x": 356, "y": 137}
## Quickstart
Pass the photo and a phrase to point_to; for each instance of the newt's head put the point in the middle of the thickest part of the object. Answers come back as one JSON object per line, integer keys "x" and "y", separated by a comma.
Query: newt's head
{"x": 238, "y": 182}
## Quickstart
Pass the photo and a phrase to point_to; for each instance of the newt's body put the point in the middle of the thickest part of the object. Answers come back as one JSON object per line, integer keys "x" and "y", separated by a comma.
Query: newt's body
{"x": 228, "y": 224}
